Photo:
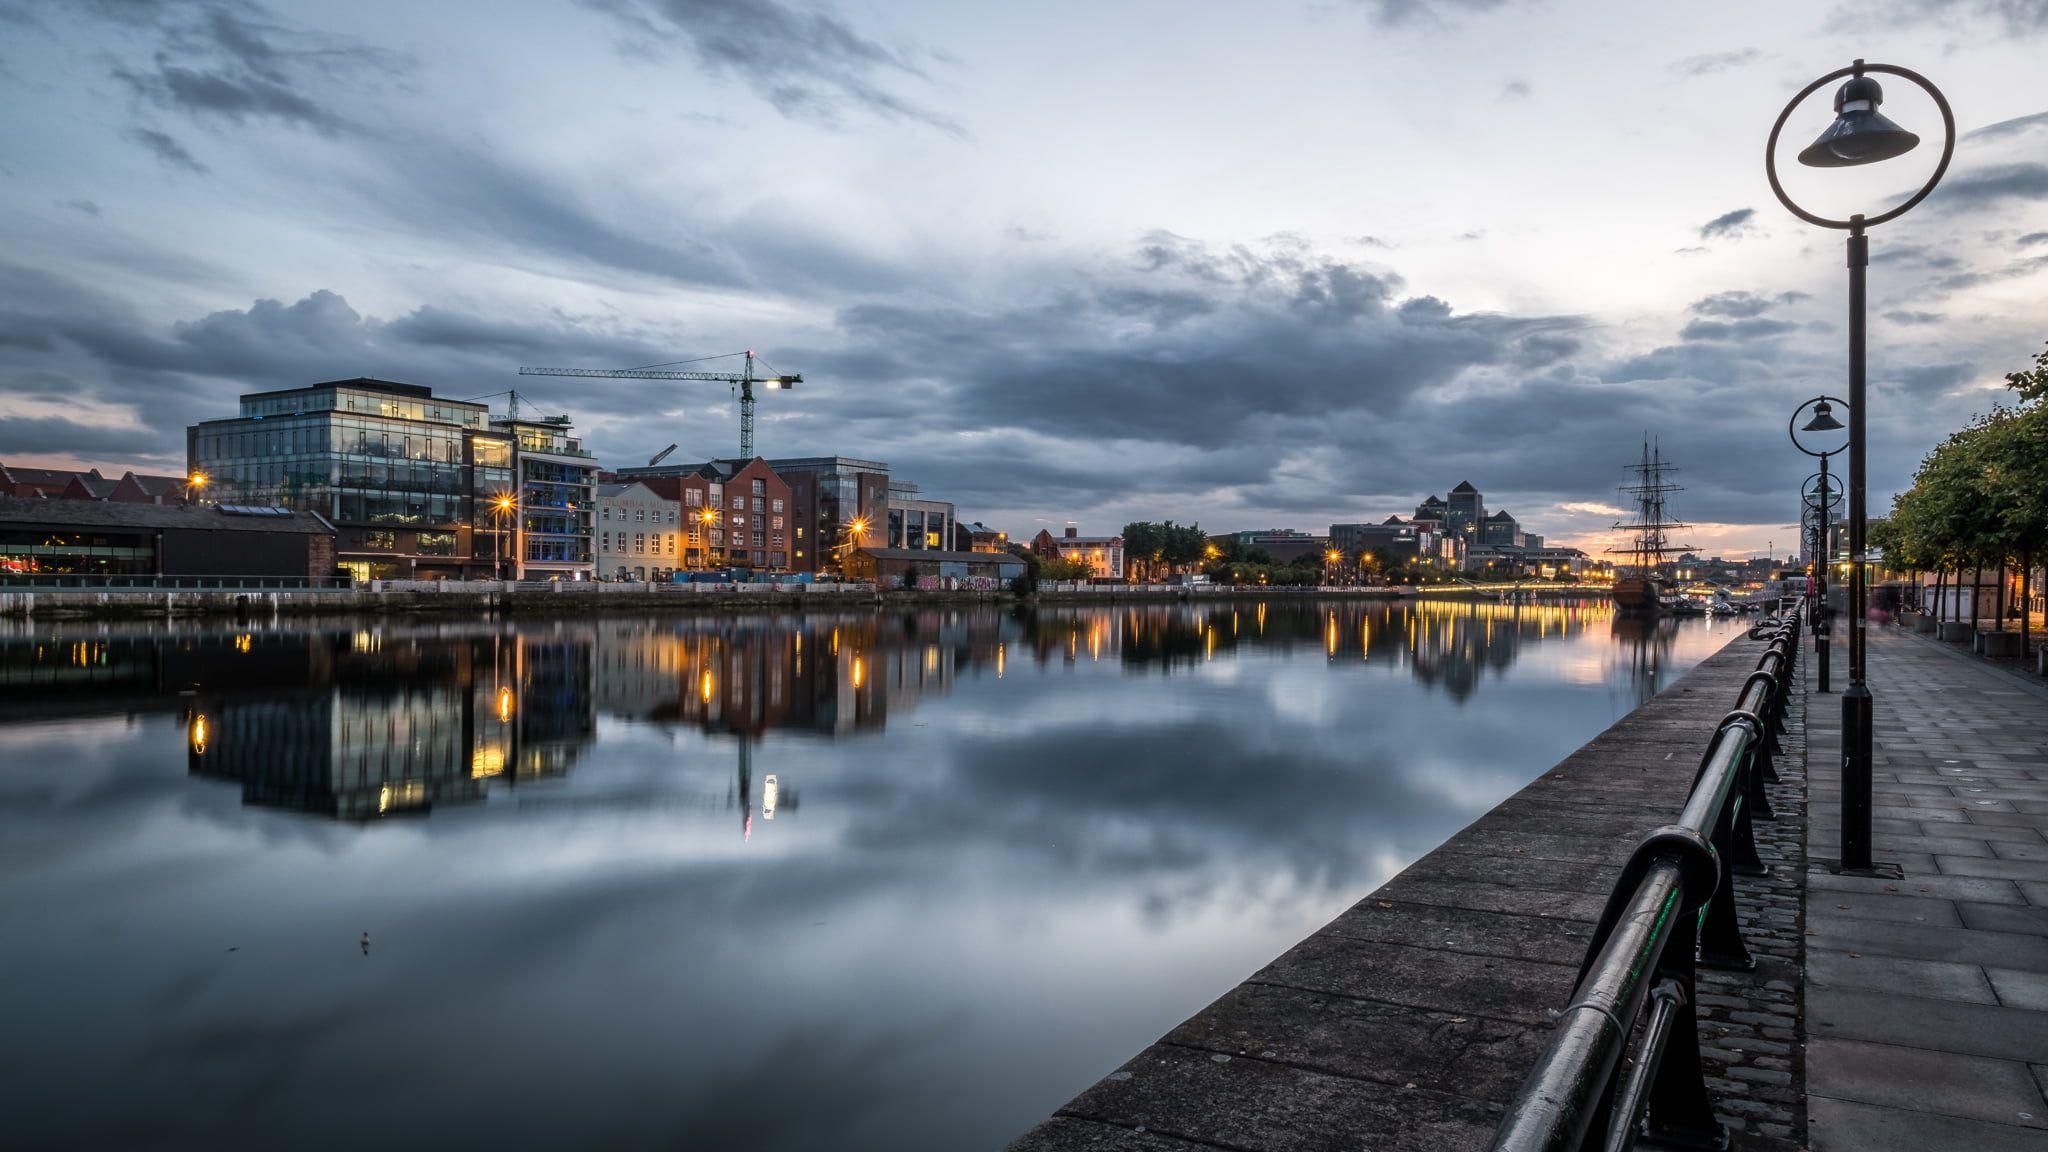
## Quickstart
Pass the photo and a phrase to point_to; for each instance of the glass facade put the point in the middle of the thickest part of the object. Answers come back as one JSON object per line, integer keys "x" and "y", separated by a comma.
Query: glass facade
{"x": 407, "y": 478}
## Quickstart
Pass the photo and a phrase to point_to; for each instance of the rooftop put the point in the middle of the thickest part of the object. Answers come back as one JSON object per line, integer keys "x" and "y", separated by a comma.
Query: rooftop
{"x": 948, "y": 557}
{"x": 362, "y": 384}
{"x": 194, "y": 517}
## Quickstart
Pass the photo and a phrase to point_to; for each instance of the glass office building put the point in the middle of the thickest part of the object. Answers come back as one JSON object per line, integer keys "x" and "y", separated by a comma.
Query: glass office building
{"x": 409, "y": 480}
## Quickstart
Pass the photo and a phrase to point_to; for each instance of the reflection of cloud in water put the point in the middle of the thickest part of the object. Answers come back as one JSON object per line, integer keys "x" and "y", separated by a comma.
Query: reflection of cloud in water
{"x": 990, "y": 890}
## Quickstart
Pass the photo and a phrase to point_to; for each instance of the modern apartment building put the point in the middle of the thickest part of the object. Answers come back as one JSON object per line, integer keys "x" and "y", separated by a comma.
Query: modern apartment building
{"x": 837, "y": 503}
{"x": 404, "y": 476}
{"x": 417, "y": 486}
{"x": 916, "y": 523}
{"x": 557, "y": 499}
{"x": 1465, "y": 510}
{"x": 1397, "y": 538}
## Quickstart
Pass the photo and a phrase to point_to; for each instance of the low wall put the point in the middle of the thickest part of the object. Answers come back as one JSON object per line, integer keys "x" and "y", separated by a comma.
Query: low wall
{"x": 531, "y": 598}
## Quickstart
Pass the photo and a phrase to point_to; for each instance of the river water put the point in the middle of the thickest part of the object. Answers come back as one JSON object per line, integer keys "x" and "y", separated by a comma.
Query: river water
{"x": 902, "y": 880}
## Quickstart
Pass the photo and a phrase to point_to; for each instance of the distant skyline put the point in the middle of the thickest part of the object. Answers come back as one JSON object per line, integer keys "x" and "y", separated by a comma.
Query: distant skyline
{"x": 1277, "y": 265}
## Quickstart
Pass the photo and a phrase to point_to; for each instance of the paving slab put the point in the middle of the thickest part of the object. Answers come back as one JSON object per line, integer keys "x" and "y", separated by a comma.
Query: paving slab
{"x": 1904, "y": 1050}
{"x": 1869, "y": 1128}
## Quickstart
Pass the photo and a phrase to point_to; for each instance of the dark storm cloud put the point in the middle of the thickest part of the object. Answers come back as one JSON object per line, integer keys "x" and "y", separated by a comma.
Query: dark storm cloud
{"x": 1730, "y": 225}
{"x": 233, "y": 63}
{"x": 1190, "y": 380}
{"x": 165, "y": 149}
{"x": 1904, "y": 316}
{"x": 2031, "y": 239}
{"x": 1712, "y": 62}
{"x": 25, "y": 434}
{"x": 808, "y": 65}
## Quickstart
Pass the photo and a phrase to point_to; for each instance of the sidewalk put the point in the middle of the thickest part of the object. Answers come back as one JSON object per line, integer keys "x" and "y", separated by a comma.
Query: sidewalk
{"x": 1927, "y": 995}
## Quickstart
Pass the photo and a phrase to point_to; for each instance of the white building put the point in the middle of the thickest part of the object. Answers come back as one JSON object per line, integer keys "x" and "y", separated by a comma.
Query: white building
{"x": 640, "y": 533}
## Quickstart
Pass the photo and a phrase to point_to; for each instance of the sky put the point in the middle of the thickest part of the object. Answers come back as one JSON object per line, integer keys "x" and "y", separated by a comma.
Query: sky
{"x": 1253, "y": 265}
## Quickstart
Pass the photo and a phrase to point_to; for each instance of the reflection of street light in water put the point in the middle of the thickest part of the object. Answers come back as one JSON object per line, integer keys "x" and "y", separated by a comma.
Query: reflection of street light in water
{"x": 770, "y": 791}
{"x": 504, "y": 705}
{"x": 198, "y": 734}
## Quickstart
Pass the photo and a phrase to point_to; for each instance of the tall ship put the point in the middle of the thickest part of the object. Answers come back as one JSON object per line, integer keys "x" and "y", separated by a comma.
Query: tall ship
{"x": 1640, "y": 588}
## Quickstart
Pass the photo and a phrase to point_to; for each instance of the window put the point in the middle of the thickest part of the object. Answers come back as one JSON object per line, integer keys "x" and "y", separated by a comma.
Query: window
{"x": 739, "y": 503}
{"x": 604, "y": 541}
{"x": 776, "y": 523}
{"x": 775, "y": 505}
{"x": 738, "y": 521}
{"x": 384, "y": 540}
{"x": 640, "y": 514}
{"x": 671, "y": 538}
{"x": 760, "y": 487}
{"x": 799, "y": 535}
{"x": 607, "y": 511}
{"x": 639, "y": 542}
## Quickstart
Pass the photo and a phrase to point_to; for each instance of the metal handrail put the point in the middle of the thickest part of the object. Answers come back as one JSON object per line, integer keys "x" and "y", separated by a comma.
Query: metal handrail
{"x": 1672, "y": 909}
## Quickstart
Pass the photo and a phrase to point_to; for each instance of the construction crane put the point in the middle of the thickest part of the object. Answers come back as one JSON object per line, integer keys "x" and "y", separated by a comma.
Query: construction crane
{"x": 744, "y": 381}
{"x": 662, "y": 455}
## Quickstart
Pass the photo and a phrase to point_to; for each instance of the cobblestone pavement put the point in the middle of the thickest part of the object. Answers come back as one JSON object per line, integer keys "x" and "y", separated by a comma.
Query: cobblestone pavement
{"x": 1927, "y": 995}
{"x": 1749, "y": 1021}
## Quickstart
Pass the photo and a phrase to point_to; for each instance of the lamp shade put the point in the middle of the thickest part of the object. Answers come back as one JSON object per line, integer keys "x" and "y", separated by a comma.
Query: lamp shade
{"x": 1860, "y": 134}
{"x": 1823, "y": 419}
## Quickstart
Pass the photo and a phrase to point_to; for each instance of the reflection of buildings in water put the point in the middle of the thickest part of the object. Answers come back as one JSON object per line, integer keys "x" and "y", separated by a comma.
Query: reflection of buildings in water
{"x": 1645, "y": 645}
{"x": 390, "y": 723}
{"x": 1441, "y": 642}
{"x": 806, "y": 675}
{"x": 827, "y": 675}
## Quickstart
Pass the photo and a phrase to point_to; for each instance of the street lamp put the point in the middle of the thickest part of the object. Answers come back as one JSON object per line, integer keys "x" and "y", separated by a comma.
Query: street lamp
{"x": 194, "y": 480}
{"x": 1822, "y": 505}
{"x": 1330, "y": 568}
{"x": 1858, "y": 135}
{"x": 709, "y": 519}
{"x": 500, "y": 507}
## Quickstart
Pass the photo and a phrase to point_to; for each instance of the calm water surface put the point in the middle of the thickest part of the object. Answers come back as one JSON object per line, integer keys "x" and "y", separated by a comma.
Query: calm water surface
{"x": 901, "y": 880}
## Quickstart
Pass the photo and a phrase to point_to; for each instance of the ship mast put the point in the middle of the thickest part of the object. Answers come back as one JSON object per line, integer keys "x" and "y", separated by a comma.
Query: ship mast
{"x": 1652, "y": 526}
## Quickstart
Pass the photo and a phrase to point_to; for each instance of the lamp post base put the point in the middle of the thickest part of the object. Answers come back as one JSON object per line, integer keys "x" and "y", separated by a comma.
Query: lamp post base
{"x": 1856, "y": 771}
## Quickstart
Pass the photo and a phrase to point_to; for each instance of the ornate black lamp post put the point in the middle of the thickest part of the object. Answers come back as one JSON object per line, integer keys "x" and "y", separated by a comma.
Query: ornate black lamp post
{"x": 1821, "y": 503}
{"x": 1860, "y": 134}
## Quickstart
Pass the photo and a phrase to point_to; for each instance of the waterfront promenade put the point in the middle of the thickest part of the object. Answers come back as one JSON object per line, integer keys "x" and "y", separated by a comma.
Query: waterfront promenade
{"x": 1927, "y": 994}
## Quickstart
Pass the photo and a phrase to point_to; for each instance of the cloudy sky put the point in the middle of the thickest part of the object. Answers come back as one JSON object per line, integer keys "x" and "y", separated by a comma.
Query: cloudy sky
{"x": 1255, "y": 265}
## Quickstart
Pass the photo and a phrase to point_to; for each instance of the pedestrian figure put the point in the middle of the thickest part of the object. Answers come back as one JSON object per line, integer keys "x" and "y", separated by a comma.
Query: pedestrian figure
{"x": 366, "y": 943}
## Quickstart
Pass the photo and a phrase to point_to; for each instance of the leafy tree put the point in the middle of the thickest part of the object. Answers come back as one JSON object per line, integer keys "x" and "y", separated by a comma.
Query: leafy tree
{"x": 1063, "y": 568}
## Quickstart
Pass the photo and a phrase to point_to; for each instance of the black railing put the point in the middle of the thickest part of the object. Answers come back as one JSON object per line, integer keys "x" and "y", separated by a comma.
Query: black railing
{"x": 1672, "y": 910}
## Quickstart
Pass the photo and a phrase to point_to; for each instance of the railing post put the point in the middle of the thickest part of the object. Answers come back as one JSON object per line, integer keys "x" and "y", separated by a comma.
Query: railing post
{"x": 1720, "y": 928}
{"x": 1679, "y": 1111}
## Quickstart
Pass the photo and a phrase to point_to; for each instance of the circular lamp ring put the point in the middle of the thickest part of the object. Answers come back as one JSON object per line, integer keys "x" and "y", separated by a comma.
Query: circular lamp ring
{"x": 1858, "y": 222}
{"x": 1809, "y": 493}
{"x": 1792, "y": 425}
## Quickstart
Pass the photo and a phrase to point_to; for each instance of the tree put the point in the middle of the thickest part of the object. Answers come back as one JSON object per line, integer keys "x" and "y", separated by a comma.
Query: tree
{"x": 1064, "y": 568}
